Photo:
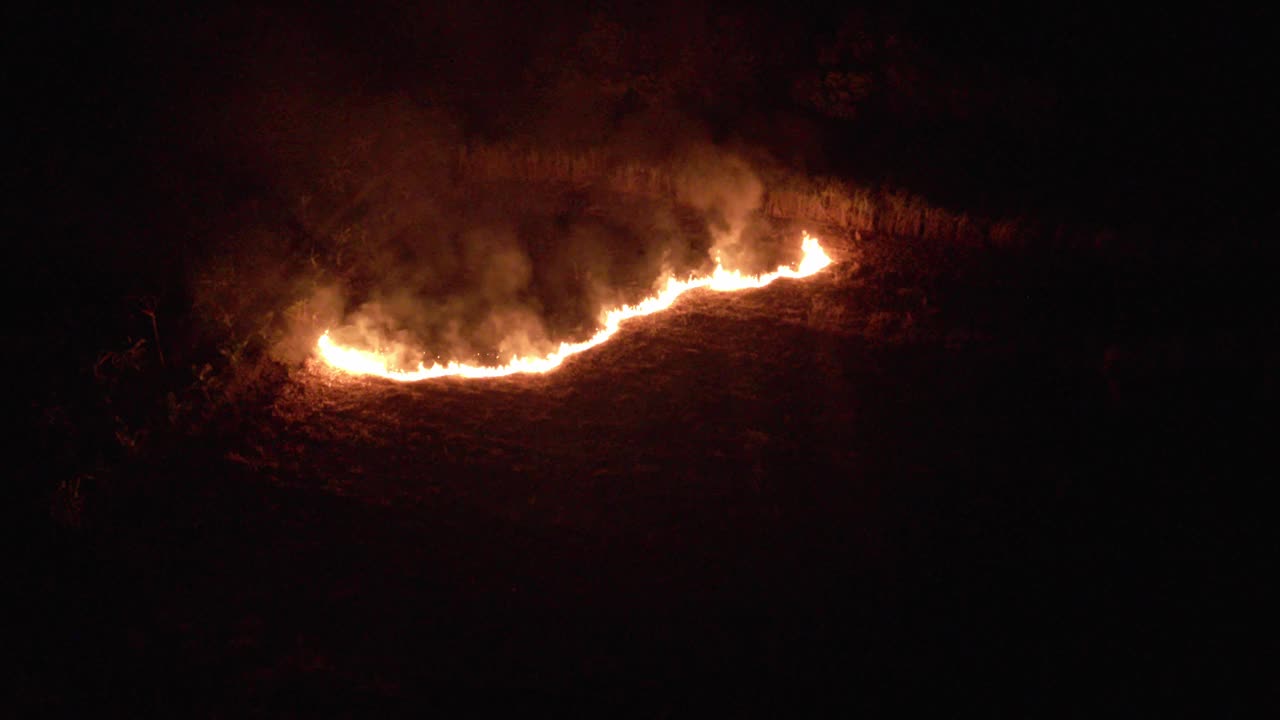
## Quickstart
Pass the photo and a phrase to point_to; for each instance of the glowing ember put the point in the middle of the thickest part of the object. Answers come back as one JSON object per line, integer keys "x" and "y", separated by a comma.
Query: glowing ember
{"x": 368, "y": 362}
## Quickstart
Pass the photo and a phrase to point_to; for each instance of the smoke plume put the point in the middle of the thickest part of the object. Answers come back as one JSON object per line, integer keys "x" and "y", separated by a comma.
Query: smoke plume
{"x": 443, "y": 225}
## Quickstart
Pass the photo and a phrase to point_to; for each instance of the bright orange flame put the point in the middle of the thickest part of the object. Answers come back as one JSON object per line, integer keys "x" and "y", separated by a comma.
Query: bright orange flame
{"x": 369, "y": 362}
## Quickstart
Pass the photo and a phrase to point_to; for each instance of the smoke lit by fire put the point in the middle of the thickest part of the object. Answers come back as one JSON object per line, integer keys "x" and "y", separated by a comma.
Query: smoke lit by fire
{"x": 382, "y": 363}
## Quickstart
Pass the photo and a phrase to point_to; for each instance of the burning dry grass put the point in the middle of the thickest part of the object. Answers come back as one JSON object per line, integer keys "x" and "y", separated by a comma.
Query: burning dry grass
{"x": 415, "y": 254}
{"x": 376, "y": 219}
{"x": 384, "y": 363}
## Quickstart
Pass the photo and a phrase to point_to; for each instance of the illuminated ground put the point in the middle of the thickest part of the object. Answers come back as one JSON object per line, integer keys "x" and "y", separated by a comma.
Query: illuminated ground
{"x": 822, "y": 489}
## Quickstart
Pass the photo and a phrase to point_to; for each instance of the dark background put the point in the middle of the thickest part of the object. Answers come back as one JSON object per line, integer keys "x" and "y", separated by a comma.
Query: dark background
{"x": 1061, "y": 516}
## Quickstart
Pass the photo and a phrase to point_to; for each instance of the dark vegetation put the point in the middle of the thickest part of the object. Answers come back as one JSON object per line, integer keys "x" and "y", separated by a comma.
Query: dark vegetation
{"x": 1000, "y": 453}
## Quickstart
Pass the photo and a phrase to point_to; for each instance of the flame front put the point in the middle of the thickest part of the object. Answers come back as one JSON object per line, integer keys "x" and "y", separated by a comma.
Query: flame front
{"x": 369, "y": 362}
